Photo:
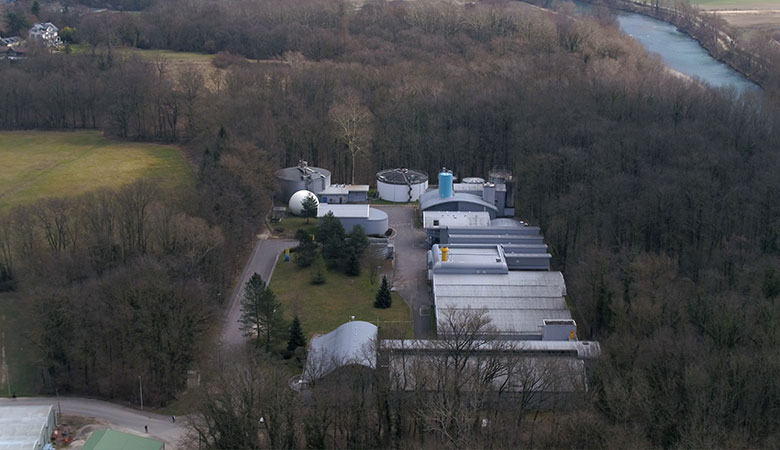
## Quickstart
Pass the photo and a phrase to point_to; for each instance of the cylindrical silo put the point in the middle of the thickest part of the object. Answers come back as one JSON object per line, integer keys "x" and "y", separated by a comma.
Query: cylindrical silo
{"x": 445, "y": 183}
{"x": 401, "y": 184}
{"x": 302, "y": 177}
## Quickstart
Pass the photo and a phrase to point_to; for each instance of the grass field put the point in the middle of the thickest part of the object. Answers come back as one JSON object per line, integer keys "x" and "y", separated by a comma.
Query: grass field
{"x": 323, "y": 308}
{"x": 37, "y": 164}
{"x": 23, "y": 369}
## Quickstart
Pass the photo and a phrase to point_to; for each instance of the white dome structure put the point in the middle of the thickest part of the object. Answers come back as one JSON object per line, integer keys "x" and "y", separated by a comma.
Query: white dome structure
{"x": 296, "y": 201}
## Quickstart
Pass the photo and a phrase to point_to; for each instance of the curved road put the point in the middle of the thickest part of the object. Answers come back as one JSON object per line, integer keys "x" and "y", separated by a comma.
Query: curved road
{"x": 262, "y": 261}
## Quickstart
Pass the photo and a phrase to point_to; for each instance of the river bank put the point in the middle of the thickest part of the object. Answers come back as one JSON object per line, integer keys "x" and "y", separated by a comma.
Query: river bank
{"x": 717, "y": 42}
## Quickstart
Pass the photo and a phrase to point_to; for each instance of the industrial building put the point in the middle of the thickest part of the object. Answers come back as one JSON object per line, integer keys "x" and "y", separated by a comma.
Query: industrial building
{"x": 517, "y": 302}
{"x": 373, "y": 221}
{"x": 302, "y": 177}
{"x": 107, "y": 439}
{"x": 401, "y": 184}
{"x": 351, "y": 344}
{"x": 495, "y": 197}
{"x": 344, "y": 193}
{"x": 25, "y": 427}
{"x": 541, "y": 367}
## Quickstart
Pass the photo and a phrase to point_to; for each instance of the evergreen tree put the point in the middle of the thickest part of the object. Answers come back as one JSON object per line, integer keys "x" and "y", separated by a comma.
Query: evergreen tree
{"x": 331, "y": 235}
{"x": 309, "y": 204}
{"x": 357, "y": 241}
{"x": 261, "y": 313}
{"x": 383, "y": 298}
{"x": 296, "y": 338}
{"x": 36, "y": 8}
{"x": 318, "y": 270}
{"x": 306, "y": 251}
{"x": 353, "y": 265}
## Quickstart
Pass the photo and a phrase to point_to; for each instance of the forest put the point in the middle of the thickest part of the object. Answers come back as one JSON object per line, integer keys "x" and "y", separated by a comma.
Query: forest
{"x": 657, "y": 195}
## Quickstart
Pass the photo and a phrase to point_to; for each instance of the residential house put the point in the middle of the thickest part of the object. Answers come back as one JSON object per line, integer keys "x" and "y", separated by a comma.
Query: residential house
{"x": 46, "y": 33}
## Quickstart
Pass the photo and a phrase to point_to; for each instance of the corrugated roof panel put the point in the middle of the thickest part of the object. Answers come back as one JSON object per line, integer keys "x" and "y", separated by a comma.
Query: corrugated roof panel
{"x": 511, "y": 303}
{"x": 471, "y": 291}
{"x": 514, "y": 322}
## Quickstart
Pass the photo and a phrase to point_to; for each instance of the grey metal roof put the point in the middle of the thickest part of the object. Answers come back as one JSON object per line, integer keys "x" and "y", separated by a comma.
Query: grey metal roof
{"x": 455, "y": 219}
{"x": 431, "y": 199}
{"x": 351, "y": 343}
{"x": 506, "y": 222}
{"x": 21, "y": 426}
{"x": 298, "y": 173}
{"x": 465, "y": 259}
{"x": 344, "y": 189}
{"x": 402, "y": 175}
{"x": 580, "y": 349}
{"x": 501, "y": 303}
{"x": 516, "y": 302}
{"x": 343, "y": 211}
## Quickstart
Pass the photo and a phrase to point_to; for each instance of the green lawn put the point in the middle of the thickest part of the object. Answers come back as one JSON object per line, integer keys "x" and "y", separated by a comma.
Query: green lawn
{"x": 290, "y": 224}
{"x": 323, "y": 308}
{"x": 24, "y": 372}
{"x": 166, "y": 54}
{"x": 38, "y": 164}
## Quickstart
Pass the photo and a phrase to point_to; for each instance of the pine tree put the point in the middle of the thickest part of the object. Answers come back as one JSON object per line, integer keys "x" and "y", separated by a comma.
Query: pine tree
{"x": 331, "y": 235}
{"x": 36, "y": 8}
{"x": 306, "y": 251}
{"x": 357, "y": 240}
{"x": 353, "y": 265}
{"x": 318, "y": 270}
{"x": 309, "y": 204}
{"x": 297, "y": 338}
{"x": 261, "y": 313}
{"x": 383, "y": 298}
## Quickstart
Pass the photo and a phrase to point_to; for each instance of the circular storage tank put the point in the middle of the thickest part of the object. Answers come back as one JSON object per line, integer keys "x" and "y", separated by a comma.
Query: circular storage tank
{"x": 302, "y": 177}
{"x": 296, "y": 201}
{"x": 401, "y": 185}
{"x": 473, "y": 180}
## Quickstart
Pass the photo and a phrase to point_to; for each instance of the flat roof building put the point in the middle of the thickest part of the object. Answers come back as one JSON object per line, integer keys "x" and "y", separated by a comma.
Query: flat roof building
{"x": 373, "y": 221}
{"x": 517, "y": 302}
{"x": 26, "y": 427}
{"x": 344, "y": 193}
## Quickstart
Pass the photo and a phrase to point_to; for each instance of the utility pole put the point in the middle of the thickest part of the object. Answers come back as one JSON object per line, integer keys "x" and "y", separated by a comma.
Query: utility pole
{"x": 141, "y": 391}
{"x": 59, "y": 407}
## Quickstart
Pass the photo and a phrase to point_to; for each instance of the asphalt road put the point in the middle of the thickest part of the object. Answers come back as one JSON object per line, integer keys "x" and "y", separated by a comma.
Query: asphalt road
{"x": 410, "y": 276}
{"x": 261, "y": 261}
{"x": 119, "y": 417}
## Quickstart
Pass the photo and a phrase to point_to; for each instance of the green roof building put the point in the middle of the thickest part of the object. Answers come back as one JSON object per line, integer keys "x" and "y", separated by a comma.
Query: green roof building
{"x": 116, "y": 440}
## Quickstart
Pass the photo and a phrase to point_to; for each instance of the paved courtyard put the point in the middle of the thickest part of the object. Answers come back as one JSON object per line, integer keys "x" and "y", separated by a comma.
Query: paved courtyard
{"x": 410, "y": 277}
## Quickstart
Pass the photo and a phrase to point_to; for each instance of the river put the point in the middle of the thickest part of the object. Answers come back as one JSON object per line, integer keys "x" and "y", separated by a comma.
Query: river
{"x": 678, "y": 50}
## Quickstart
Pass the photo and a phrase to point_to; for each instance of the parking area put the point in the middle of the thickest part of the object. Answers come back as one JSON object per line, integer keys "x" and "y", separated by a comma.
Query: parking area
{"x": 409, "y": 277}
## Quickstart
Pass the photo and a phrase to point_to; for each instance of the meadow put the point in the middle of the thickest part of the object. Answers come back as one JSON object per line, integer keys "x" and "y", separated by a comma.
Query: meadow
{"x": 322, "y": 308}
{"x": 38, "y": 164}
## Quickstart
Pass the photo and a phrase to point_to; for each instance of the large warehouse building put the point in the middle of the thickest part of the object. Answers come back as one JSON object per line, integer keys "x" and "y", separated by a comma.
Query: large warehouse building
{"x": 518, "y": 302}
